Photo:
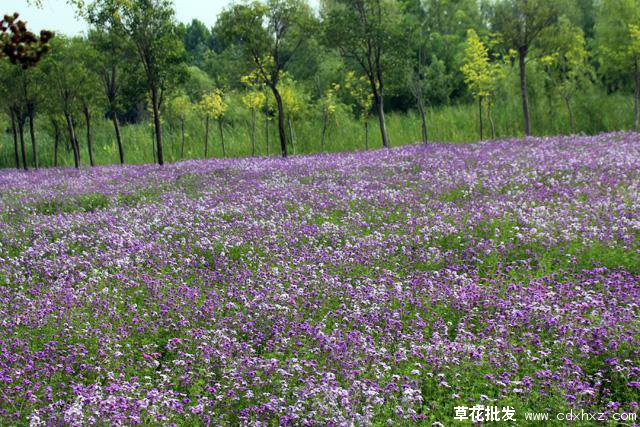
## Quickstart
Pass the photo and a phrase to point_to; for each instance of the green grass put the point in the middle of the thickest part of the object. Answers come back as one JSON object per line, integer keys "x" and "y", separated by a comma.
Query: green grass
{"x": 453, "y": 123}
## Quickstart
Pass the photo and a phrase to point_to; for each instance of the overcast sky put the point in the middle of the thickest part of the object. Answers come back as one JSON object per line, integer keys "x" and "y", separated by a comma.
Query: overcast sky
{"x": 58, "y": 16}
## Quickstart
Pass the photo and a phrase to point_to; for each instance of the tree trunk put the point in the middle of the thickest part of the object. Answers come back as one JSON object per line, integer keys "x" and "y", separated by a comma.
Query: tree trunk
{"x": 87, "y": 119}
{"x": 182, "y": 131}
{"x": 76, "y": 144}
{"x": 253, "y": 131}
{"x": 116, "y": 126}
{"x": 266, "y": 132}
{"x": 423, "y": 118}
{"x": 366, "y": 135}
{"x": 281, "y": 131}
{"x": 522, "y": 54}
{"x": 56, "y": 141}
{"x": 493, "y": 127}
{"x": 572, "y": 123}
{"x": 32, "y": 134}
{"x": 153, "y": 145}
{"x": 636, "y": 113}
{"x": 224, "y": 153}
{"x": 291, "y": 135}
{"x": 324, "y": 129}
{"x": 480, "y": 115}
{"x": 156, "y": 124}
{"x": 206, "y": 136}
{"x": 15, "y": 138}
{"x": 383, "y": 127}
{"x": 22, "y": 147}
{"x": 72, "y": 140}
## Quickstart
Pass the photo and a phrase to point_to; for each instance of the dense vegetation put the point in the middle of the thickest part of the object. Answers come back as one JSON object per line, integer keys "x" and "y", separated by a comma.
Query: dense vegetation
{"x": 279, "y": 77}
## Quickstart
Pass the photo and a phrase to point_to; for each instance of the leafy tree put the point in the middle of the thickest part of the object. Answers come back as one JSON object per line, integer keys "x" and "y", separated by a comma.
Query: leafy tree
{"x": 112, "y": 62}
{"x": 328, "y": 105}
{"x": 179, "y": 108}
{"x": 213, "y": 106}
{"x": 65, "y": 76}
{"x": 367, "y": 33}
{"x": 520, "y": 23}
{"x": 294, "y": 100}
{"x": 21, "y": 46}
{"x": 254, "y": 99}
{"x": 89, "y": 90}
{"x": 197, "y": 40}
{"x": 362, "y": 100}
{"x": 30, "y": 82}
{"x": 618, "y": 43}
{"x": 480, "y": 75}
{"x": 568, "y": 64}
{"x": 11, "y": 100}
{"x": 268, "y": 35}
{"x": 150, "y": 26}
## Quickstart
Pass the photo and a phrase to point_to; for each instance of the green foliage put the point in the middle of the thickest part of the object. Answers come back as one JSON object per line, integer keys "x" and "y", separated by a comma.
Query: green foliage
{"x": 480, "y": 75}
{"x": 213, "y": 104}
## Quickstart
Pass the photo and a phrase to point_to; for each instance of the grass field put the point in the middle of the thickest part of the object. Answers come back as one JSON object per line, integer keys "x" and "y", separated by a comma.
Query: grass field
{"x": 375, "y": 288}
{"x": 594, "y": 113}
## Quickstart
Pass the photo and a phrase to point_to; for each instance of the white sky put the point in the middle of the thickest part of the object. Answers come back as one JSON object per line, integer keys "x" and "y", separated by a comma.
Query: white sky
{"x": 58, "y": 16}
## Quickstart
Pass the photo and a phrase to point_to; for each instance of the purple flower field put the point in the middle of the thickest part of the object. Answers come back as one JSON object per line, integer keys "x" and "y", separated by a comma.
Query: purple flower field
{"x": 378, "y": 288}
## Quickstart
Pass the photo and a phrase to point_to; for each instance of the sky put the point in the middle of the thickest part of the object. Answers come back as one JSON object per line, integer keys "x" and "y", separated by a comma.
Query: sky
{"x": 58, "y": 16}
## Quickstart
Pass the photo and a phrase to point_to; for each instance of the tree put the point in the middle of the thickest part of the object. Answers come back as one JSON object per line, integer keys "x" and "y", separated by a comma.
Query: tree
{"x": 294, "y": 100}
{"x": 65, "y": 77}
{"x": 362, "y": 98}
{"x": 22, "y": 47}
{"x": 11, "y": 100}
{"x": 29, "y": 81}
{"x": 254, "y": 99}
{"x": 111, "y": 63}
{"x": 568, "y": 64}
{"x": 618, "y": 43}
{"x": 366, "y": 32}
{"x": 520, "y": 23}
{"x": 268, "y": 35}
{"x": 480, "y": 75}
{"x": 178, "y": 108}
{"x": 328, "y": 105}
{"x": 213, "y": 106}
{"x": 150, "y": 26}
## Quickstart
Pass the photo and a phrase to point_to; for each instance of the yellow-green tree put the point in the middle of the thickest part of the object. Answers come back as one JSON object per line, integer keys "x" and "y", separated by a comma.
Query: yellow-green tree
{"x": 254, "y": 99}
{"x": 213, "y": 106}
{"x": 179, "y": 108}
{"x": 294, "y": 100}
{"x": 480, "y": 75}
{"x": 358, "y": 90}
{"x": 328, "y": 106}
{"x": 568, "y": 64}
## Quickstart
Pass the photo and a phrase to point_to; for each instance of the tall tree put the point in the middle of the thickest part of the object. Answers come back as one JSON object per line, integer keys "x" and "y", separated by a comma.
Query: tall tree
{"x": 268, "y": 35}
{"x": 213, "y": 106}
{"x": 480, "y": 75}
{"x": 361, "y": 100}
{"x": 150, "y": 26}
{"x": 110, "y": 65}
{"x": 178, "y": 109}
{"x": 253, "y": 99}
{"x": 11, "y": 102}
{"x": 618, "y": 44}
{"x": 567, "y": 64}
{"x": 520, "y": 23}
{"x": 366, "y": 32}
{"x": 65, "y": 73}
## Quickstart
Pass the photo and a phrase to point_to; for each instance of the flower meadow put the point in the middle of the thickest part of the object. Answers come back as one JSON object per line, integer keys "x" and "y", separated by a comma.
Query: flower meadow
{"x": 375, "y": 288}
